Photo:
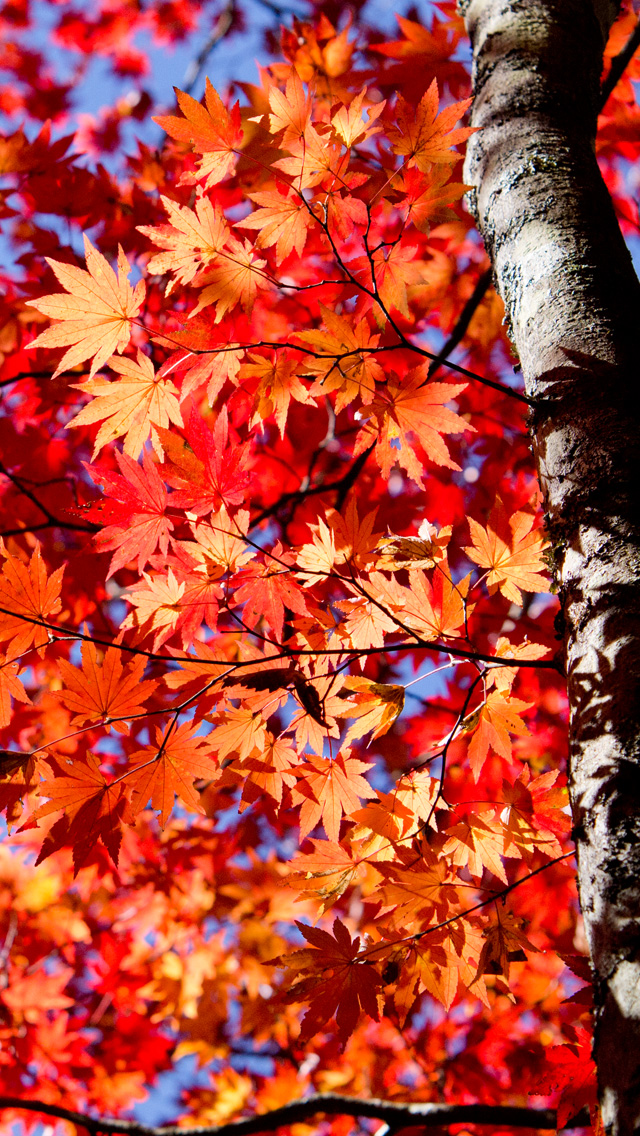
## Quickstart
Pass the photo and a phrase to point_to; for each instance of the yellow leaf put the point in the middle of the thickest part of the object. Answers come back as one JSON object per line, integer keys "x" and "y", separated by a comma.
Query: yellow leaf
{"x": 375, "y": 706}
{"x": 132, "y": 406}
{"x": 95, "y": 316}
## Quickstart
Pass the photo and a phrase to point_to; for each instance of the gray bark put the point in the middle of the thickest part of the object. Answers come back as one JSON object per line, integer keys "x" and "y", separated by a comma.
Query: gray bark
{"x": 573, "y": 305}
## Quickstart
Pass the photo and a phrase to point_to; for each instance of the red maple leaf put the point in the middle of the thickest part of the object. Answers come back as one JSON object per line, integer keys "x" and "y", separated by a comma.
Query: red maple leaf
{"x": 134, "y": 512}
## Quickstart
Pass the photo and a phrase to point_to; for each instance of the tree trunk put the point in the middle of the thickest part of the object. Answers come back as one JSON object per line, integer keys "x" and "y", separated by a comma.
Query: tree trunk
{"x": 573, "y": 306}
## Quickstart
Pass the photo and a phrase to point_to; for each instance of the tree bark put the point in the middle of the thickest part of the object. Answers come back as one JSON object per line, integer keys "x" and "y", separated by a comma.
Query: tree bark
{"x": 573, "y": 306}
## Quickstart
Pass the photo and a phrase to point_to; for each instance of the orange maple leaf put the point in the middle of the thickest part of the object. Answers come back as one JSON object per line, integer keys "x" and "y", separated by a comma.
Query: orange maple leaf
{"x": 436, "y": 607}
{"x": 268, "y": 770}
{"x": 290, "y": 110}
{"x": 95, "y": 316}
{"x": 10, "y": 687}
{"x": 374, "y": 705}
{"x": 350, "y": 124}
{"x": 395, "y": 269}
{"x": 103, "y": 691}
{"x": 192, "y": 240}
{"x": 329, "y": 788}
{"x": 344, "y": 539}
{"x": 159, "y": 773}
{"x": 240, "y": 731}
{"x": 343, "y": 358}
{"x": 428, "y": 199}
{"x": 278, "y": 384}
{"x": 283, "y": 220}
{"x": 27, "y": 598}
{"x": 365, "y": 623}
{"x": 132, "y": 406}
{"x": 213, "y": 131}
{"x": 92, "y": 808}
{"x": 503, "y": 678}
{"x": 325, "y": 873}
{"x": 498, "y": 717}
{"x": 476, "y": 843}
{"x": 512, "y": 551}
{"x": 425, "y": 137}
{"x": 236, "y": 277}
{"x": 426, "y": 892}
{"x": 412, "y": 409}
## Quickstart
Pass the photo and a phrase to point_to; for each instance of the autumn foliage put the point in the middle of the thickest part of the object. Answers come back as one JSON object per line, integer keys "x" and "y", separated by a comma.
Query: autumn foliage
{"x": 283, "y": 721}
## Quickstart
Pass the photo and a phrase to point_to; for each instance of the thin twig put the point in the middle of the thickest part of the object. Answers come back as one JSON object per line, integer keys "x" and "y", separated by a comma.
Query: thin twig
{"x": 464, "y": 319}
{"x": 219, "y": 30}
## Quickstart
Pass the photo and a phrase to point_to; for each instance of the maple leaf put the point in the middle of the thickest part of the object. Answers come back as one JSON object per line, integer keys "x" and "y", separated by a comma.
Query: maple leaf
{"x": 336, "y": 787}
{"x": 428, "y": 199}
{"x": 136, "y": 507}
{"x": 95, "y": 316}
{"x": 394, "y": 270}
{"x": 133, "y": 405}
{"x": 27, "y": 598}
{"x": 219, "y": 546}
{"x": 343, "y": 982}
{"x": 290, "y": 110}
{"x": 417, "y": 791}
{"x": 425, "y": 550}
{"x": 326, "y": 872}
{"x": 28, "y": 994}
{"x": 350, "y": 124}
{"x": 212, "y": 356}
{"x": 170, "y": 768}
{"x": 535, "y": 815}
{"x": 343, "y": 358}
{"x": 410, "y": 409}
{"x": 375, "y": 705}
{"x": 212, "y": 130}
{"x": 492, "y": 724}
{"x": 206, "y": 470}
{"x": 512, "y": 551}
{"x": 283, "y": 220}
{"x": 240, "y": 731}
{"x": 424, "y": 137}
{"x": 192, "y": 240}
{"x": 93, "y": 809}
{"x": 366, "y": 623}
{"x": 103, "y": 691}
{"x": 503, "y": 678}
{"x": 236, "y": 277}
{"x": 504, "y": 941}
{"x": 268, "y": 770}
{"x": 278, "y": 384}
{"x": 476, "y": 843}
{"x": 10, "y": 687}
{"x": 381, "y": 826}
{"x": 339, "y": 538}
{"x": 157, "y": 600}
{"x": 571, "y": 1071}
{"x": 266, "y": 589}
{"x": 420, "y": 894}
{"x": 424, "y": 966}
{"x": 436, "y": 608}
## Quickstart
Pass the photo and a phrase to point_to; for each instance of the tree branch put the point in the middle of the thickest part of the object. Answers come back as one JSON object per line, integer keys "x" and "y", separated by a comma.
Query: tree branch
{"x": 464, "y": 319}
{"x": 396, "y": 1115}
